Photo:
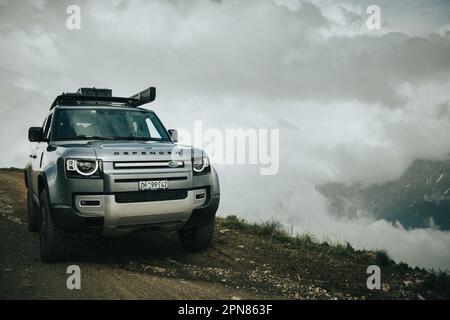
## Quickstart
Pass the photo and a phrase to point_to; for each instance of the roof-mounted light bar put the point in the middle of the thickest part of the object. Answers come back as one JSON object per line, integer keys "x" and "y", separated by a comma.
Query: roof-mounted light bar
{"x": 145, "y": 96}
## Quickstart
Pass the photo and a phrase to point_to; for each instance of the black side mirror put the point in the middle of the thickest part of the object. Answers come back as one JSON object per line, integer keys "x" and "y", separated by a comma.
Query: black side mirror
{"x": 173, "y": 134}
{"x": 35, "y": 134}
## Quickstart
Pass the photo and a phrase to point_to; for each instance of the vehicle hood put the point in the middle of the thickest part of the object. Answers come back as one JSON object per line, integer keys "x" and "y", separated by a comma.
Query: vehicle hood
{"x": 129, "y": 150}
{"x": 139, "y": 151}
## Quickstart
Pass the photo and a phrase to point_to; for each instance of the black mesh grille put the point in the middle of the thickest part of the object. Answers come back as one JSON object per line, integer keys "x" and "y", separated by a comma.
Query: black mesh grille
{"x": 147, "y": 196}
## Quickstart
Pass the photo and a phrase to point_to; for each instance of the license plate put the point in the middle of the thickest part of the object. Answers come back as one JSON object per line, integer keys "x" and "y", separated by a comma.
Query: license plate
{"x": 153, "y": 185}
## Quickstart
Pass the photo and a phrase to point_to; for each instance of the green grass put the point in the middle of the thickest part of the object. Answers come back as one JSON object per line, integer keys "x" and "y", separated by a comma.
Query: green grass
{"x": 437, "y": 281}
{"x": 273, "y": 232}
{"x": 382, "y": 259}
{"x": 272, "y": 229}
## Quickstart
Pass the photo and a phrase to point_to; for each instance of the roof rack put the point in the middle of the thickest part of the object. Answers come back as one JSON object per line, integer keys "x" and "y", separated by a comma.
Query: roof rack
{"x": 95, "y": 96}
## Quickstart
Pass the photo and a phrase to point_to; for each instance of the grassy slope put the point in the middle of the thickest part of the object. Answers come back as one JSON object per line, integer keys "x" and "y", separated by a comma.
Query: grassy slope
{"x": 338, "y": 269}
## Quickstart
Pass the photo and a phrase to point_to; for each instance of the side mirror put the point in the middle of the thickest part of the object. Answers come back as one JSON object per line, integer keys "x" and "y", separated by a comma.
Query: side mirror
{"x": 35, "y": 134}
{"x": 173, "y": 134}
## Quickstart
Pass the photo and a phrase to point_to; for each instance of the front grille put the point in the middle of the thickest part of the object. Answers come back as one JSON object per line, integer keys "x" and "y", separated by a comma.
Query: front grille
{"x": 163, "y": 164}
{"x": 148, "y": 196}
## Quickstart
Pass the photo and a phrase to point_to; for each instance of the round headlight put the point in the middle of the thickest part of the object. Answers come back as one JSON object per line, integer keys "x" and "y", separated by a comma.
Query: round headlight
{"x": 86, "y": 167}
{"x": 199, "y": 164}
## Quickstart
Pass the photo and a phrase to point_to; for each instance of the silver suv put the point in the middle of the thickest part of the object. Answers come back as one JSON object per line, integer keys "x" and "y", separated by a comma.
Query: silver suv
{"x": 101, "y": 165}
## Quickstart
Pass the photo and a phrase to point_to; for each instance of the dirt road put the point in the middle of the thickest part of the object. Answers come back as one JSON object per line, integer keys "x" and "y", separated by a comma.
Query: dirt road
{"x": 239, "y": 265}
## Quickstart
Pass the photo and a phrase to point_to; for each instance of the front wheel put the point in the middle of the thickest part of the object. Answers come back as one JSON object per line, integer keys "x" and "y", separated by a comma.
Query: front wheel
{"x": 53, "y": 245}
{"x": 197, "y": 238}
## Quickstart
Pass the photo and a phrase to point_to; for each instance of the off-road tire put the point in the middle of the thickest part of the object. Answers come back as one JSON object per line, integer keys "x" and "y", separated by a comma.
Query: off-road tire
{"x": 197, "y": 238}
{"x": 32, "y": 213}
{"x": 53, "y": 245}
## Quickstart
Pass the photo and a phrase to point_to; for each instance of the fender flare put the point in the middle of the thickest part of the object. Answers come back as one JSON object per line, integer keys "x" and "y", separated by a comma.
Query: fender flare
{"x": 43, "y": 176}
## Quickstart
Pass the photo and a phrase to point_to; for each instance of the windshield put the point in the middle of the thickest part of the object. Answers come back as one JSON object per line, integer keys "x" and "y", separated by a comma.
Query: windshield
{"x": 105, "y": 124}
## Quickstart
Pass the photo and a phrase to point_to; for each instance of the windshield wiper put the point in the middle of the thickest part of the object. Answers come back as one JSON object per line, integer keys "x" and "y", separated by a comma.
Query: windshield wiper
{"x": 132, "y": 138}
{"x": 85, "y": 137}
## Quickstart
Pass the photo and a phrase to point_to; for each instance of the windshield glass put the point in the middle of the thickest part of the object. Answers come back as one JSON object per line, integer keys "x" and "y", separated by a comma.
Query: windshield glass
{"x": 104, "y": 124}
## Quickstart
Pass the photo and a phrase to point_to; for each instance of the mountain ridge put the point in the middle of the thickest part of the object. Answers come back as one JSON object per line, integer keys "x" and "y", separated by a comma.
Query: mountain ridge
{"x": 419, "y": 198}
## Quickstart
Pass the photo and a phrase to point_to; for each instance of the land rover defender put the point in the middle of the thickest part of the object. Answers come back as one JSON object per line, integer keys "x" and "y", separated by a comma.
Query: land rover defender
{"x": 104, "y": 166}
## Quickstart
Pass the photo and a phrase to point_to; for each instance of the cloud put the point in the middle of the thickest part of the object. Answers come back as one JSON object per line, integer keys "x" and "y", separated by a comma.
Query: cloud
{"x": 352, "y": 105}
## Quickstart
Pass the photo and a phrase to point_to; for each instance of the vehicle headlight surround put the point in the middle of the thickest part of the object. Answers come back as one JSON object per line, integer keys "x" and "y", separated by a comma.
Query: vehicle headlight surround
{"x": 200, "y": 164}
{"x": 83, "y": 167}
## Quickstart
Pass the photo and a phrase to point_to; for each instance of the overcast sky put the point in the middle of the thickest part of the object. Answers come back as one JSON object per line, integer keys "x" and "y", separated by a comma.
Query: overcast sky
{"x": 352, "y": 105}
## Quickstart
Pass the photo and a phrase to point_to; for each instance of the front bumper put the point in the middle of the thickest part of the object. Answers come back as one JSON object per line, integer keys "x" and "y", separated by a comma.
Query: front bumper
{"x": 111, "y": 218}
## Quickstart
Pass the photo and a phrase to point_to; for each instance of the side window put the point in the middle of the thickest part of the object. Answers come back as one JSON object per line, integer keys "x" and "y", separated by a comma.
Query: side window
{"x": 48, "y": 122}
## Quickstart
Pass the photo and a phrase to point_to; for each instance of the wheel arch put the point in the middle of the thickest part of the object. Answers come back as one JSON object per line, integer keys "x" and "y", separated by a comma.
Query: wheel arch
{"x": 43, "y": 185}
{"x": 27, "y": 174}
